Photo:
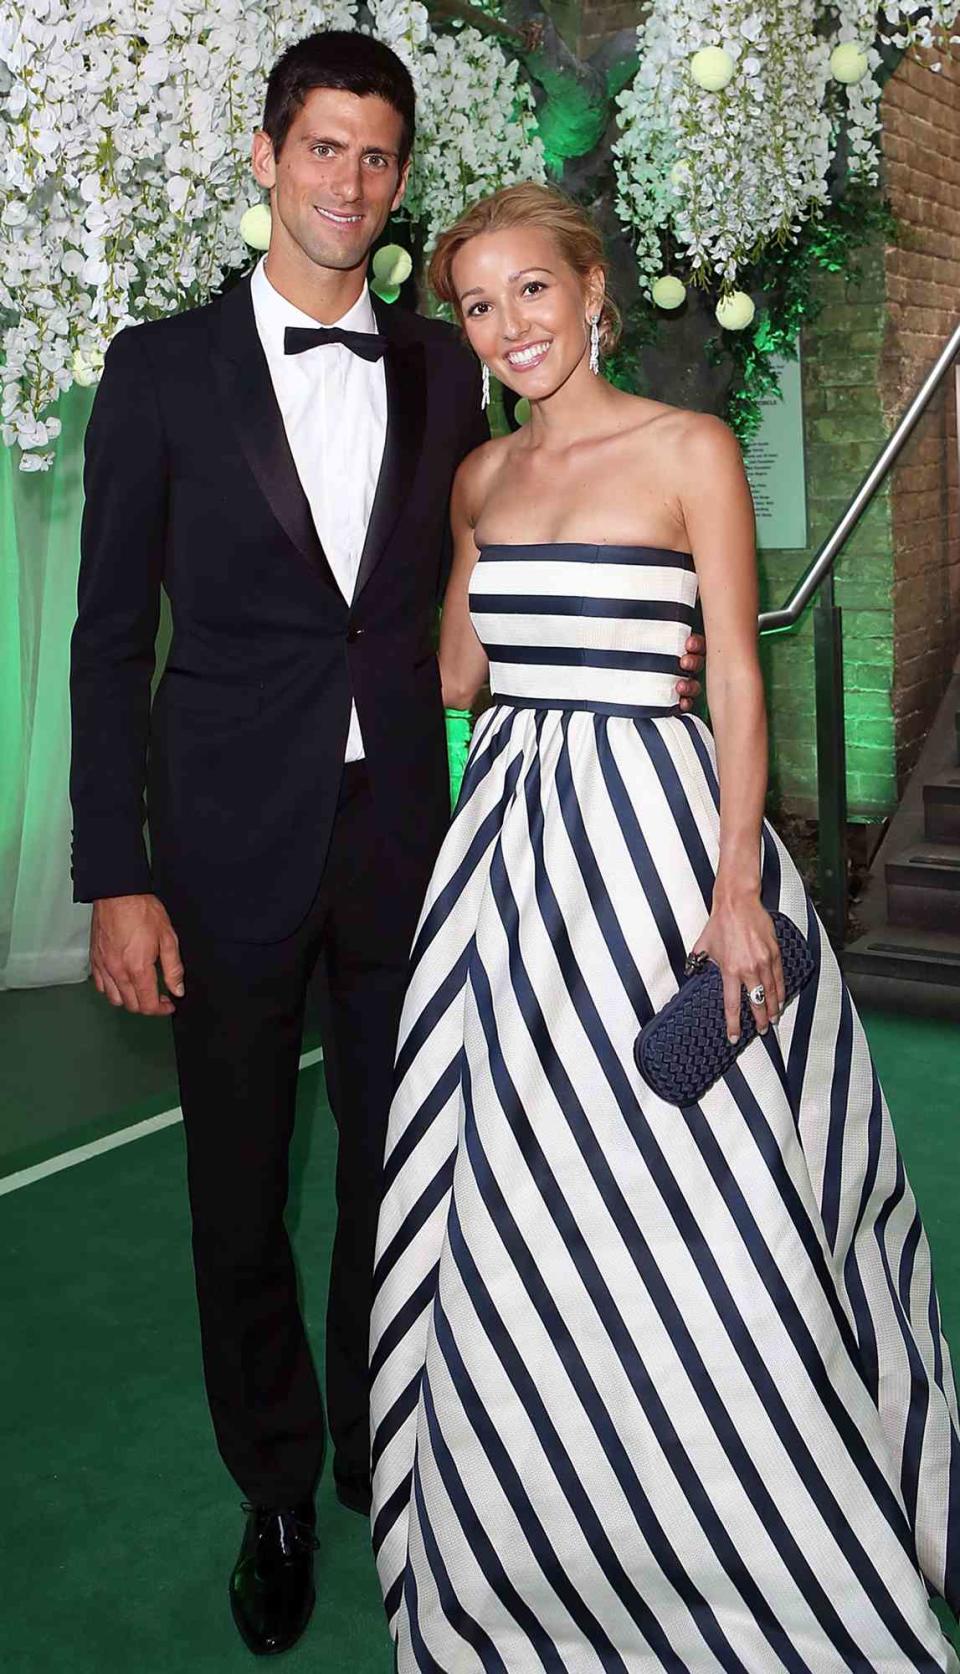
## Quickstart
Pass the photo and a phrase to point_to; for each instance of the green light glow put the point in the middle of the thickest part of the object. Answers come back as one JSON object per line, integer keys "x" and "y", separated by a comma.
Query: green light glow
{"x": 39, "y": 558}
{"x": 11, "y": 729}
{"x": 570, "y": 121}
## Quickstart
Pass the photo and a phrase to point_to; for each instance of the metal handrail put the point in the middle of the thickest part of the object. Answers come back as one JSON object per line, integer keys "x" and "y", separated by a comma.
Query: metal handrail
{"x": 828, "y": 653}
{"x": 773, "y": 621}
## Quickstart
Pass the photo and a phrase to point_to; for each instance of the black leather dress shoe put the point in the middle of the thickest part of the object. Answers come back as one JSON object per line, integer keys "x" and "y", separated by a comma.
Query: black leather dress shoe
{"x": 271, "y": 1588}
{"x": 354, "y": 1493}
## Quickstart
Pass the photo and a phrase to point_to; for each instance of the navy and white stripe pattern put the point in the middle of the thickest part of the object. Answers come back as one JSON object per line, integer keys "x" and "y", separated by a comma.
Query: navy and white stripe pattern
{"x": 582, "y": 629}
{"x": 652, "y": 1388}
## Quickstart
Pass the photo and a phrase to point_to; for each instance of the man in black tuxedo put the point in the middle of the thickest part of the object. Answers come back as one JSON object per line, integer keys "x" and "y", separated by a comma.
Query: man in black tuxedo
{"x": 288, "y": 487}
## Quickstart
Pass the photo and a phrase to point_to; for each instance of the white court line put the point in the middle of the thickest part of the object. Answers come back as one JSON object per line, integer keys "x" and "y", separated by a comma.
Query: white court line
{"x": 110, "y": 1141}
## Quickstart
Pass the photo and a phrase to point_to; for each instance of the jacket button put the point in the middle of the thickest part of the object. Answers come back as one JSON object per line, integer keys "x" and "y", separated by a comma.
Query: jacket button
{"x": 353, "y": 634}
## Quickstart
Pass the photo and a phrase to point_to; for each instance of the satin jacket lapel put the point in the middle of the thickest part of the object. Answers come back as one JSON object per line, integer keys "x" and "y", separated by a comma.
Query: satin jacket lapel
{"x": 406, "y": 381}
{"x": 242, "y": 369}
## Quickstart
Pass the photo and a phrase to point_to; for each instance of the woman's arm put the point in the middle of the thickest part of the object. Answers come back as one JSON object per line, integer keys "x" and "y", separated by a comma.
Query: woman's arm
{"x": 463, "y": 661}
{"x": 718, "y": 515}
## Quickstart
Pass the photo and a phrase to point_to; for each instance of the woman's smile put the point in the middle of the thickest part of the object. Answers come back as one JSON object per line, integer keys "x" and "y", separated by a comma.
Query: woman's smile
{"x": 524, "y": 359}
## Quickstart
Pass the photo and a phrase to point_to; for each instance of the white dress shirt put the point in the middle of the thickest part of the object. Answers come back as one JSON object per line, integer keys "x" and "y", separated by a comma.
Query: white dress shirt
{"x": 334, "y": 408}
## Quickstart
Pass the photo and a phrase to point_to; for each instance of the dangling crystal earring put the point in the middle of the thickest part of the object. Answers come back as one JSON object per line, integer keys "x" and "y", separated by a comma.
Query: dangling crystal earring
{"x": 595, "y": 345}
{"x": 485, "y": 396}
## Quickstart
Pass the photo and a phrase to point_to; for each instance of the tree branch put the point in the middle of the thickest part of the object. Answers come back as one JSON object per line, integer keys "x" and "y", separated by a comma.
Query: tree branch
{"x": 441, "y": 11}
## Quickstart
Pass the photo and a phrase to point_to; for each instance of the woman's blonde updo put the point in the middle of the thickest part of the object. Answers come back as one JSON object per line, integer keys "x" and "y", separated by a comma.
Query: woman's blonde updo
{"x": 528, "y": 205}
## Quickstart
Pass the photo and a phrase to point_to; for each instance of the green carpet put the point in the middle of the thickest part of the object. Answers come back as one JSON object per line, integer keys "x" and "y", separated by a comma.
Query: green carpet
{"x": 918, "y": 1063}
{"x": 119, "y": 1525}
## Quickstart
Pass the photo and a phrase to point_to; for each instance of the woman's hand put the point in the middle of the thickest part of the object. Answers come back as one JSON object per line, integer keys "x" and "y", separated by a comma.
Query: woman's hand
{"x": 692, "y": 661}
{"x": 740, "y": 938}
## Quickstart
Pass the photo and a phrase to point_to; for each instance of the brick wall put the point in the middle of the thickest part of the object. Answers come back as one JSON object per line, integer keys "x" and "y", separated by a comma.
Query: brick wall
{"x": 921, "y": 143}
{"x": 844, "y": 429}
{"x": 586, "y": 24}
{"x": 600, "y": 18}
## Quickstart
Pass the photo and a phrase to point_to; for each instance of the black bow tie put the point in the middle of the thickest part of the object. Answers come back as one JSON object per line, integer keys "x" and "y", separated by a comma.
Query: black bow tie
{"x": 366, "y": 344}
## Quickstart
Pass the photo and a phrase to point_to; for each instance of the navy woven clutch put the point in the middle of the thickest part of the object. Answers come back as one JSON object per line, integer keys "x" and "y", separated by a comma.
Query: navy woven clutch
{"x": 684, "y": 1049}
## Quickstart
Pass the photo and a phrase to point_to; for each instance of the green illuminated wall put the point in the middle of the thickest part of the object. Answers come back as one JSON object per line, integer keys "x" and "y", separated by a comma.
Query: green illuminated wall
{"x": 844, "y": 430}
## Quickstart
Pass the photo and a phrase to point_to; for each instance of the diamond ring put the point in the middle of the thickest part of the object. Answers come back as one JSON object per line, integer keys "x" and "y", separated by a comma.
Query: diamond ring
{"x": 757, "y": 995}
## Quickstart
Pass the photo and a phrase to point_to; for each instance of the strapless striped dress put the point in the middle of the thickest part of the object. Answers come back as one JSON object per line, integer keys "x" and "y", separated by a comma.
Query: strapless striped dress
{"x": 652, "y": 1388}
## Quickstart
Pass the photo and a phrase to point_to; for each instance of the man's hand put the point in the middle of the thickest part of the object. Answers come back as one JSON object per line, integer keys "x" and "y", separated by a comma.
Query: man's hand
{"x": 129, "y": 934}
{"x": 694, "y": 654}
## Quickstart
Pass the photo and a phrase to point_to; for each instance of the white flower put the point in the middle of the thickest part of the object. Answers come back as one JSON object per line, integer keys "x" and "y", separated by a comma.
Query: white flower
{"x": 86, "y": 367}
{"x": 178, "y": 190}
{"x": 915, "y": 22}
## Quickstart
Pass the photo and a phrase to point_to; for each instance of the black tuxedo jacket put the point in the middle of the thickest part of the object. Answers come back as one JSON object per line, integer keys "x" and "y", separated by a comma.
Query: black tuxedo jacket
{"x": 190, "y": 485}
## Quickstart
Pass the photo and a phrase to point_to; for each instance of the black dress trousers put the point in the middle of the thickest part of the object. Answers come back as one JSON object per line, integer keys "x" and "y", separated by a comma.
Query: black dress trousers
{"x": 238, "y": 1034}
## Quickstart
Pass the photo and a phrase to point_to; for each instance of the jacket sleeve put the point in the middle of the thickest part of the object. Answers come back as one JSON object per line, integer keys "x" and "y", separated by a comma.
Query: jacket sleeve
{"x": 474, "y": 432}
{"x": 112, "y": 651}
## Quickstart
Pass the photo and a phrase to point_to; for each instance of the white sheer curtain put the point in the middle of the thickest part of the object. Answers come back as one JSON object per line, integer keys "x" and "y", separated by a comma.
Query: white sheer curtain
{"x": 43, "y": 935}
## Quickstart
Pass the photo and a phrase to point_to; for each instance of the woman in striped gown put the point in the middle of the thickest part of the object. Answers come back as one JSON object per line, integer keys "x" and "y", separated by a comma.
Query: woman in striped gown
{"x": 652, "y": 1387}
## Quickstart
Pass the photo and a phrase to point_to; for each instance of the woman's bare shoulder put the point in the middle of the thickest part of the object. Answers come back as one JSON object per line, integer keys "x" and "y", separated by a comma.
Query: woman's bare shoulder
{"x": 690, "y": 445}
{"x": 477, "y": 472}
{"x": 657, "y": 419}
{"x": 703, "y": 434}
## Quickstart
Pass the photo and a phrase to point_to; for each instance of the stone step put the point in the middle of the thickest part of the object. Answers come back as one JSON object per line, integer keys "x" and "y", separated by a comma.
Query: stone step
{"x": 916, "y": 971}
{"x": 923, "y": 887}
{"x": 941, "y": 808}
{"x": 913, "y": 955}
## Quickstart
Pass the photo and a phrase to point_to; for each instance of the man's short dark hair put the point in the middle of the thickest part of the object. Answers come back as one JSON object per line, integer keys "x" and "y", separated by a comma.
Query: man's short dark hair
{"x": 348, "y": 61}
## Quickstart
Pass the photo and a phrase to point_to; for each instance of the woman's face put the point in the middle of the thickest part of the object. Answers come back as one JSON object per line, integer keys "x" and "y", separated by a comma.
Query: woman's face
{"x": 525, "y": 310}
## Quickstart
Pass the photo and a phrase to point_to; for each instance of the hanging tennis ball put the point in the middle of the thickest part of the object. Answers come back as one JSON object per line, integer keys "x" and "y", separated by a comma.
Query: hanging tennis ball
{"x": 255, "y": 226}
{"x": 668, "y": 291}
{"x": 712, "y": 68}
{"x": 521, "y": 411}
{"x": 848, "y": 63}
{"x": 735, "y": 311}
{"x": 391, "y": 266}
{"x": 680, "y": 173}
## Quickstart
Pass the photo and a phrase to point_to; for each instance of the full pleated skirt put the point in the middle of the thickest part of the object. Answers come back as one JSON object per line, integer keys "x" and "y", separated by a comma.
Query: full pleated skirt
{"x": 652, "y": 1388}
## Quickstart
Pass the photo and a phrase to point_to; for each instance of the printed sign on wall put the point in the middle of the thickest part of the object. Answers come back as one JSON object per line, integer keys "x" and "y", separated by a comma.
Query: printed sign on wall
{"x": 776, "y": 468}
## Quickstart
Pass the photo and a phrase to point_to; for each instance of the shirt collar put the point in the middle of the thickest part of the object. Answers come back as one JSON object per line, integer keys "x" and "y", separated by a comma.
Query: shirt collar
{"x": 274, "y": 313}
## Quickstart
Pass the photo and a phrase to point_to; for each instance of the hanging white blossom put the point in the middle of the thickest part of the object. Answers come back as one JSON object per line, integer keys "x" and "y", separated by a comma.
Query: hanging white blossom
{"x": 125, "y": 130}
{"x": 722, "y": 167}
{"x": 730, "y": 165}
{"x": 925, "y": 23}
{"x": 854, "y": 105}
{"x": 476, "y": 128}
{"x": 650, "y": 175}
{"x": 855, "y": 108}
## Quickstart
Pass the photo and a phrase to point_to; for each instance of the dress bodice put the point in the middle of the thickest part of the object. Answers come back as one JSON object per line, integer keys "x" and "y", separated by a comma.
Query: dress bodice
{"x": 572, "y": 626}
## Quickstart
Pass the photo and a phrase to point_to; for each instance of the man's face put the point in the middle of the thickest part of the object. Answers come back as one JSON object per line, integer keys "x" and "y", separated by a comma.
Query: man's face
{"x": 336, "y": 180}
